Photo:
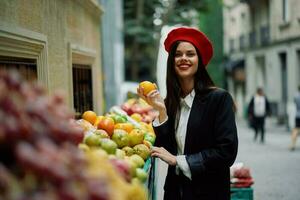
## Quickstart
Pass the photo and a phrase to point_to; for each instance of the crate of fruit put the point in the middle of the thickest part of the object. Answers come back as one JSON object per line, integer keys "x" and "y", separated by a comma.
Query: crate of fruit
{"x": 241, "y": 193}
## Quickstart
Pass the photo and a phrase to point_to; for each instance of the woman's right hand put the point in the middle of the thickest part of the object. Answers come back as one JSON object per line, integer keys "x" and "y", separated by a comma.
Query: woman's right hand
{"x": 154, "y": 99}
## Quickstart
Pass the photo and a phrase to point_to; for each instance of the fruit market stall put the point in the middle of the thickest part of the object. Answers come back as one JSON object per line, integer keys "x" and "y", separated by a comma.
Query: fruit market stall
{"x": 121, "y": 137}
{"x": 46, "y": 154}
{"x": 241, "y": 182}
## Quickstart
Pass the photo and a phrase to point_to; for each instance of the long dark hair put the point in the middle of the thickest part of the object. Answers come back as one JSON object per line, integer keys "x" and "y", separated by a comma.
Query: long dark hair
{"x": 202, "y": 83}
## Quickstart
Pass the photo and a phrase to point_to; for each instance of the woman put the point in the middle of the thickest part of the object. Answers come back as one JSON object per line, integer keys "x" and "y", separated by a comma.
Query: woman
{"x": 195, "y": 131}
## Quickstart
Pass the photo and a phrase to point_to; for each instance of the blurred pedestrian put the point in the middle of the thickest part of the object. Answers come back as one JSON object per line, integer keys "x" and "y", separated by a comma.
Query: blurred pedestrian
{"x": 196, "y": 132}
{"x": 295, "y": 130}
{"x": 258, "y": 109}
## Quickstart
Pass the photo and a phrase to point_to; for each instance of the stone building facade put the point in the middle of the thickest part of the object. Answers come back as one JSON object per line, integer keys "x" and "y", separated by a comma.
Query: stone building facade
{"x": 262, "y": 39}
{"x": 62, "y": 40}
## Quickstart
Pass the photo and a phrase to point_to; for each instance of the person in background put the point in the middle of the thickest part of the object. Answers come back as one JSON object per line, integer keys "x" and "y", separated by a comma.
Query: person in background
{"x": 196, "y": 131}
{"x": 258, "y": 109}
{"x": 295, "y": 130}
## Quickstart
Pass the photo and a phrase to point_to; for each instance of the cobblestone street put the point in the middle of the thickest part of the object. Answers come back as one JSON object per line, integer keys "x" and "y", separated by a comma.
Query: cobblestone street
{"x": 275, "y": 169}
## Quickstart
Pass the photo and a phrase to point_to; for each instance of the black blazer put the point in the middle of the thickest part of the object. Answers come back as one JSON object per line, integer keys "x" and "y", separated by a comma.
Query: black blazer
{"x": 210, "y": 148}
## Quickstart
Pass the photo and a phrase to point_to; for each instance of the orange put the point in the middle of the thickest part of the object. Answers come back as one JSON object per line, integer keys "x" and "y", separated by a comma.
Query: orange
{"x": 124, "y": 126}
{"x": 147, "y": 87}
{"x": 89, "y": 116}
{"x": 107, "y": 124}
{"x": 98, "y": 119}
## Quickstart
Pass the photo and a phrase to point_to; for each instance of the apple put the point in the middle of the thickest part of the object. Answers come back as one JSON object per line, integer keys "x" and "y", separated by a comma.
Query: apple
{"x": 141, "y": 174}
{"x": 132, "y": 165}
{"x": 84, "y": 147}
{"x": 119, "y": 119}
{"x": 120, "y": 137}
{"x": 138, "y": 160}
{"x": 128, "y": 150}
{"x": 92, "y": 139}
{"x": 142, "y": 150}
{"x": 102, "y": 133}
{"x": 120, "y": 154}
{"x": 127, "y": 108}
{"x": 136, "y": 136}
{"x": 100, "y": 153}
{"x": 108, "y": 145}
{"x": 122, "y": 167}
{"x": 150, "y": 138}
{"x": 136, "y": 108}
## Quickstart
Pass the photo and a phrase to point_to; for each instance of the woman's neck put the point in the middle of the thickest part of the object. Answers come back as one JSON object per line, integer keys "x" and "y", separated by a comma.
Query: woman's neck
{"x": 187, "y": 86}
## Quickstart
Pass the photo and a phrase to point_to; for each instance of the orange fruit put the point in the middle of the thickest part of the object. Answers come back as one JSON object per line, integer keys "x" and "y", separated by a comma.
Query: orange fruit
{"x": 98, "y": 119}
{"x": 124, "y": 126}
{"x": 89, "y": 116}
{"x": 147, "y": 87}
{"x": 107, "y": 124}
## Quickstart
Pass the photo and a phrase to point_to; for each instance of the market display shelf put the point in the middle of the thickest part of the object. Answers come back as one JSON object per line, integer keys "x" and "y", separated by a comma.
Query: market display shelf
{"x": 241, "y": 193}
{"x": 147, "y": 165}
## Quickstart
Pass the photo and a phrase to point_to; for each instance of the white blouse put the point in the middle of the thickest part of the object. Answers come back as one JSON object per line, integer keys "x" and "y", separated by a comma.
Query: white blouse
{"x": 180, "y": 135}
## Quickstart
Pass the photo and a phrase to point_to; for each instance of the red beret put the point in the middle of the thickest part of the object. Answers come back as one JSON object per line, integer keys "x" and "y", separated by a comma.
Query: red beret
{"x": 194, "y": 36}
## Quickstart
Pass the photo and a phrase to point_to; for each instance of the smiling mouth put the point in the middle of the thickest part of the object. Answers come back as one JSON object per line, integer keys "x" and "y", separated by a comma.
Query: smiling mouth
{"x": 183, "y": 66}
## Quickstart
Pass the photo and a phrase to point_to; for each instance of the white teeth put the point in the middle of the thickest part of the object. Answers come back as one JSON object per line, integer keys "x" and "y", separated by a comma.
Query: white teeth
{"x": 183, "y": 66}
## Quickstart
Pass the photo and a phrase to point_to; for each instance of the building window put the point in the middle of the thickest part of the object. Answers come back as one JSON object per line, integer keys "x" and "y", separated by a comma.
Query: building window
{"x": 285, "y": 10}
{"x": 82, "y": 88}
{"x": 26, "y": 67}
{"x": 231, "y": 45}
{"x": 264, "y": 35}
{"x": 16, "y": 43}
{"x": 242, "y": 42}
{"x": 252, "y": 39}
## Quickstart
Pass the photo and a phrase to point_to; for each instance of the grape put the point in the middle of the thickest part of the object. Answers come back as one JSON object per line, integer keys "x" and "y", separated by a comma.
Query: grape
{"x": 39, "y": 157}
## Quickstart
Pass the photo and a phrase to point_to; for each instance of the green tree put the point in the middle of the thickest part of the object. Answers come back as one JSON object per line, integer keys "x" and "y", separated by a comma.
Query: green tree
{"x": 211, "y": 22}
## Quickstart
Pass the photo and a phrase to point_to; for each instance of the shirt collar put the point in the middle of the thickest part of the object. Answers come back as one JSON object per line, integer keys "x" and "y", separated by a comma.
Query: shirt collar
{"x": 188, "y": 100}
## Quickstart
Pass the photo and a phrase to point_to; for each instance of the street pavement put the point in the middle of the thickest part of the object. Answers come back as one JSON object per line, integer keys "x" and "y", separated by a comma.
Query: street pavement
{"x": 275, "y": 169}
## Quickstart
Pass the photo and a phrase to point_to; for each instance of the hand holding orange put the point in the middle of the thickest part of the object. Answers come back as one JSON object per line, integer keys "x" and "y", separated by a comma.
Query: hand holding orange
{"x": 147, "y": 87}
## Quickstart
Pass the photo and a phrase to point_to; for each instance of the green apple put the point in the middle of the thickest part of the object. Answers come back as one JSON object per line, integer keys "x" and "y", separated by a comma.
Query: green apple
{"x": 141, "y": 174}
{"x": 118, "y": 118}
{"x": 132, "y": 166}
{"x": 138, "y": 160}
{"x": 150, "y": 138}
{"x": 92, "y": 139}
{"x": 108, "y": 145}
{"x": 102, "y": 133}
{"x": 120, "y": 137}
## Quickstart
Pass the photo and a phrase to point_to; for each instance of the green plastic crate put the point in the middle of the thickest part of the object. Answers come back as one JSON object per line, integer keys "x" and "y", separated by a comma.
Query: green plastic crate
{"x": 241, "y": 193}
